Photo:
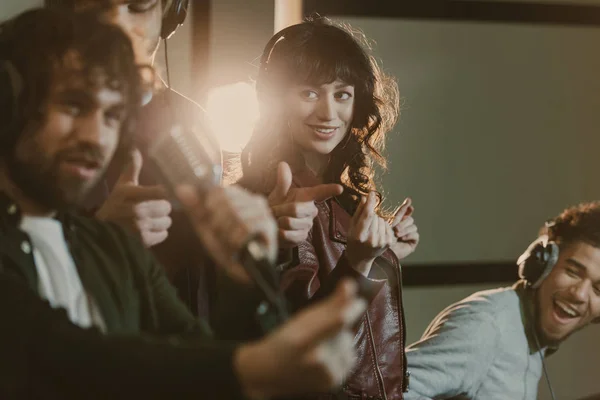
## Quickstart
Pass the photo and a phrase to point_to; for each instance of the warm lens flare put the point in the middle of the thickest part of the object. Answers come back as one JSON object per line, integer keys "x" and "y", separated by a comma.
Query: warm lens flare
{"x": 232, "y": 114}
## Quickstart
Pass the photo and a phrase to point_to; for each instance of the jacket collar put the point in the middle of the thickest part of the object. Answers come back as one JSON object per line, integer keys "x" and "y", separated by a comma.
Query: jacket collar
{"x": 11, "y": 246}
{"x": 10, "y": 214}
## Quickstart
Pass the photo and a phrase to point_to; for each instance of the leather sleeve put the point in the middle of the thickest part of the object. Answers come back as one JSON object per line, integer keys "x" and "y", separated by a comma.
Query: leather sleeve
{"x": 306, "y": 282}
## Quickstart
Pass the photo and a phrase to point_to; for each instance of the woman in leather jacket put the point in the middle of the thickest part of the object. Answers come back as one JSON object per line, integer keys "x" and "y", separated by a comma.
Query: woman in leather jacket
{"x": 325, "y": 109}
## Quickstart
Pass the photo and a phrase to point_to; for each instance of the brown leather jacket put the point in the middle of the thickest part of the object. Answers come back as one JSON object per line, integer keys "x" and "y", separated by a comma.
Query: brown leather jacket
{"x": 380, "y": 336}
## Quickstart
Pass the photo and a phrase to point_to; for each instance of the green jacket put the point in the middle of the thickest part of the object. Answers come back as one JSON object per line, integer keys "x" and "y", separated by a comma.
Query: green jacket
{"x": 154, "y": 348}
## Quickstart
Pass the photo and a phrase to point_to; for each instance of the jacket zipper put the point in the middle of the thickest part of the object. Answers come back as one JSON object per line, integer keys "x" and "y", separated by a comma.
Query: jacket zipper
{"x": 402, "y": 329}
{"x": 377, "y": 369}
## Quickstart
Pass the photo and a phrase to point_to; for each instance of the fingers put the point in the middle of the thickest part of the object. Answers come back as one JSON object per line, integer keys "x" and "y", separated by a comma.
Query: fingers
{"x": 370, "y": 234}
{"x": 406, "y": 231}
{"x": 365, "y": 219}
{"x": 319, "y": 192}
{"x": 359, "y": 210}
{"x": 237, "y": 215}
{"x": 366, "y": 207}
{"x": 155, "y": 224}
{"x": 152, "y": 209}
{"x": 131, "y": 172}
{"x": 282, "y": 185}
{"x": 292, "y": 238}
{"x": 411, "y": 237}
{"x": 390, "y": 235}
{"x": 293, "y": 231}
{"x": 259, "y": 229}
{"x": 297, "y": 224}
{"x": 405, "y": 210}
{"x": 409, "y": 221}
{"x": 379, "y": 234}
{"x": 371, "y": 203}
{"x": 296, "y": 210}
{"x": 383, "y": 233}
{"x": 266, "y": 230}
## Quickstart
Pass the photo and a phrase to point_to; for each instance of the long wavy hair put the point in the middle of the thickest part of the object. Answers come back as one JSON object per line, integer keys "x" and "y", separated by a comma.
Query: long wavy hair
{"x": 317, "y": 52}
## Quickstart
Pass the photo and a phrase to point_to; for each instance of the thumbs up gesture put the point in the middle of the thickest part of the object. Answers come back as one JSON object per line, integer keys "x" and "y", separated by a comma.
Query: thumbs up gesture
{"x": 369, "y": 235}
{"x": 294, "y": 208}
{"x": 405, "y": 230}
{"x": 141, "y": 209}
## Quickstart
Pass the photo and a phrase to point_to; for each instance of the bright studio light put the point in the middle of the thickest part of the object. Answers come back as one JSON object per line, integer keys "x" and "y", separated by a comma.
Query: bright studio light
{"x": 232, "y": 113}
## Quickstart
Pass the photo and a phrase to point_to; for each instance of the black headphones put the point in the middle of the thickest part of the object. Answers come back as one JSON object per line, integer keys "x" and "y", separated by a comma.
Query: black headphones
{"x": 536, "y": 263}
{"x": 173, "y": 17}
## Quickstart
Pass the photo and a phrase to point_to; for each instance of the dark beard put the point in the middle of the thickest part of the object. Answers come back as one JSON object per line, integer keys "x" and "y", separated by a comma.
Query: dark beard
{"x": 39, "y": 181}
{"x": 39, "y": 185}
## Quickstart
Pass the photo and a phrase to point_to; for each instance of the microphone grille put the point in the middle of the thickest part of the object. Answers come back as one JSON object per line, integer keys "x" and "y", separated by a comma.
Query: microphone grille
{"x": 182, "y": 159}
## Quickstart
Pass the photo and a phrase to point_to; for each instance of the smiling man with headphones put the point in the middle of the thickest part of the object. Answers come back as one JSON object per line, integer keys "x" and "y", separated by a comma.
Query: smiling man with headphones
{"x": 491, "y": 345}
{"x": 131, "y": 195}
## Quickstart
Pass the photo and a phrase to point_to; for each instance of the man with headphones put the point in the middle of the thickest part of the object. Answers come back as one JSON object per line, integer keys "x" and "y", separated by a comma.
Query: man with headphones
{"x": 491, "y": 345}
{"x": 86, "y": 311}
{"x": 131, "y": 195}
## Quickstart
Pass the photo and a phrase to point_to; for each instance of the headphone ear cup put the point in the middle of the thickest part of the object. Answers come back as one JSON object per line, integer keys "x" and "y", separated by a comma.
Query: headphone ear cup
{"x": 537, "y": 261}
{"x": 173, "y": 18}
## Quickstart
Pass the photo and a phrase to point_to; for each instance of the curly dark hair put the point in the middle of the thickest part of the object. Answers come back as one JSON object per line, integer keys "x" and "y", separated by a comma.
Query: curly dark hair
{"x": 318, "y": 52}
{"x": 580, "y": 223}
{"x": 39, "y": 43}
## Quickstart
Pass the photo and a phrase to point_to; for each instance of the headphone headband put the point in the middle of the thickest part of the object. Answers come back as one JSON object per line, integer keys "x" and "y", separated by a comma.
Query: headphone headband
{"x": 173, "y": 18}
{"x": 536, "y": 263}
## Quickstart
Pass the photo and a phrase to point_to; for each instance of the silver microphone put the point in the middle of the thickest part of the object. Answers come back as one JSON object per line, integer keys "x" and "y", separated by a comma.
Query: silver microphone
{"x": 182, "y": 159}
